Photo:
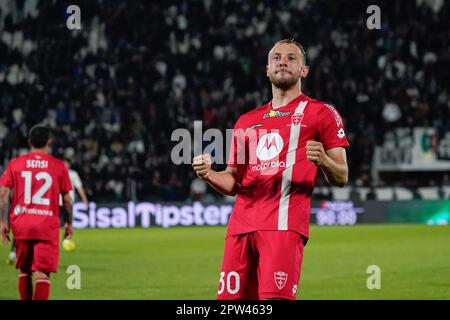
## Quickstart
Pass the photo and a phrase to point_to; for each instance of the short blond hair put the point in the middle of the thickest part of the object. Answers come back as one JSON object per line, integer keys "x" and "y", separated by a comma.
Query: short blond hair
{"x": 295, "y": 43}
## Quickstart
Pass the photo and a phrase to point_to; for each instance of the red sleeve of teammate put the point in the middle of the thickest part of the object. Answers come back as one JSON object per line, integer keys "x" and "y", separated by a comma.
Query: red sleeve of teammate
{"x": 237, "y": 155}
{"x": 7, "y": 179}
{"x": 331, "y": 128}
{"x": 66, "y": 185}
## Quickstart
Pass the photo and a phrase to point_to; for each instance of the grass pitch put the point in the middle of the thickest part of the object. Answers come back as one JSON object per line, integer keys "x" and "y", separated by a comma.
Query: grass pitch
{"x": 184, "y": 263}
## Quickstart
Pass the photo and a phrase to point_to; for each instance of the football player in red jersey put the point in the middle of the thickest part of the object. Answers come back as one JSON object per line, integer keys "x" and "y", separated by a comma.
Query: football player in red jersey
{"x": 36, "y": 181}
{"x": 275, "y": 155}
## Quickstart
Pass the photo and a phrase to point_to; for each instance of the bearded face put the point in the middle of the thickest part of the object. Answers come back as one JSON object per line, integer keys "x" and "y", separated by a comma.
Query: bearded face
{"x": 284, "y": 79}
{"x": 285, "y": 66}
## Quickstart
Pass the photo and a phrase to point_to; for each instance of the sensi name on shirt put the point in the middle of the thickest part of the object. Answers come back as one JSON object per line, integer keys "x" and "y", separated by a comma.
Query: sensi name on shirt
{"x": 41, "y": 164}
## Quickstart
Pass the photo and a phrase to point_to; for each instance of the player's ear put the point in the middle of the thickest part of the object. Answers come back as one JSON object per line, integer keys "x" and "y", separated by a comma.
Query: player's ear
{"x": 267, "y": 70}
{"x": 304, "y": 72}
{"x": 29, "y": 143}
{"x": 49, "y": 142}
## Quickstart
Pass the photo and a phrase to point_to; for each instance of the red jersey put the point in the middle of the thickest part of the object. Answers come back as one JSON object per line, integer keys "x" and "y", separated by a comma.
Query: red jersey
{"x": 269, "y": 146}
{"x": 37, "y": 180}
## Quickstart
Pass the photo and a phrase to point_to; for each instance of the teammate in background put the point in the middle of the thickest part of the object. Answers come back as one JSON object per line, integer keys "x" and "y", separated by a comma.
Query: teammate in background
{"x": 76, "y": 184}
{"x": 75, "y": 180}
{"x": 36, "y": 180}
{"x": 274, "y": 158}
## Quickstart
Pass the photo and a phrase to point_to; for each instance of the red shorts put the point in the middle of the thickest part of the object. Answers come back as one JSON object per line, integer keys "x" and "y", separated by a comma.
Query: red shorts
{"x": 261, "y": 265}
{"x": 37, "y": 255}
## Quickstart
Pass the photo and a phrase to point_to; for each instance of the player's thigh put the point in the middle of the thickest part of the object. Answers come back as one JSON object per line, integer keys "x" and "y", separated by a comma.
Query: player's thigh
{"x": 24, "y": 254}
{"x": 238, "y": 279}
{"x": 46, "y": 256}
{"x": 281, "y": 255}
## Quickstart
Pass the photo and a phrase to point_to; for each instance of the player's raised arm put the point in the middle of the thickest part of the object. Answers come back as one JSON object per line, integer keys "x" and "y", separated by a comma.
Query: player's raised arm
{"x": 225, "y": 182}
{"x": 333, "y": 162}
{"x": 4, "y": 205}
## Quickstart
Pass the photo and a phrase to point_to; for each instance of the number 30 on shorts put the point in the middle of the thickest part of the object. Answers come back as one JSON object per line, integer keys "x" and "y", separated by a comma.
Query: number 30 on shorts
{"x": 227, "y": 282}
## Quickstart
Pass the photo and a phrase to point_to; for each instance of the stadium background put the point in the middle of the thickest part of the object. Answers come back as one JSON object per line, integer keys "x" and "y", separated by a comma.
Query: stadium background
{"x": 114, "y": 91}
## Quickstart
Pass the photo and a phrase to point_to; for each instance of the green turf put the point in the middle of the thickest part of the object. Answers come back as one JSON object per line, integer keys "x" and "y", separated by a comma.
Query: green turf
{"x": 184, "y": 263}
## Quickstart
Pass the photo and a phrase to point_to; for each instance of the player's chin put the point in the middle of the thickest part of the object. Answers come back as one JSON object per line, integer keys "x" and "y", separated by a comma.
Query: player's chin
{"x": 284, "y": 83}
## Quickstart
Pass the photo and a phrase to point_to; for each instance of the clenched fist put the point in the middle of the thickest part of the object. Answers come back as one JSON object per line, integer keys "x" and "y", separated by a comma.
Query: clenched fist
{"x": 202, "y": 165}
{"x": 315, "y": 153}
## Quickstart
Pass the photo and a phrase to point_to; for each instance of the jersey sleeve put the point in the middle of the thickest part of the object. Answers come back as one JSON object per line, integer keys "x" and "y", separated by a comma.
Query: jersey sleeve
{"x": 66, "y": 185}
{"x": 237, "y": 157}
{"x": 331, "y": 128}
{"x": 7, "y": 179}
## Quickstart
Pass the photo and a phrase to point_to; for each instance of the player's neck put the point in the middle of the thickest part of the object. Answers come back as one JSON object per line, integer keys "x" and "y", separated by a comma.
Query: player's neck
{"x": 283, "y": 97}
{"x": 39, "y": 150}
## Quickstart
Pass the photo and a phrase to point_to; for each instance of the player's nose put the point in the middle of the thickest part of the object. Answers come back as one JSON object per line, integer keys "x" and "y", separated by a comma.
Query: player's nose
{"x": 282, "y": 63}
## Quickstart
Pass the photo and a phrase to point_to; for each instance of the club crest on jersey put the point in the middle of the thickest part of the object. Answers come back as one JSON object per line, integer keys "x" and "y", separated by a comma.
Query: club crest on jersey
{"x": 280, "y": 279}
{"x": 274, "y": 113}
{"x": 297, "y": 118}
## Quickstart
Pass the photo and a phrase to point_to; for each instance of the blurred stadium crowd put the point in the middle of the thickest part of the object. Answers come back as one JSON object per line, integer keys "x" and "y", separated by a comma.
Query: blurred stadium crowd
{"x": 114, "y": 91}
